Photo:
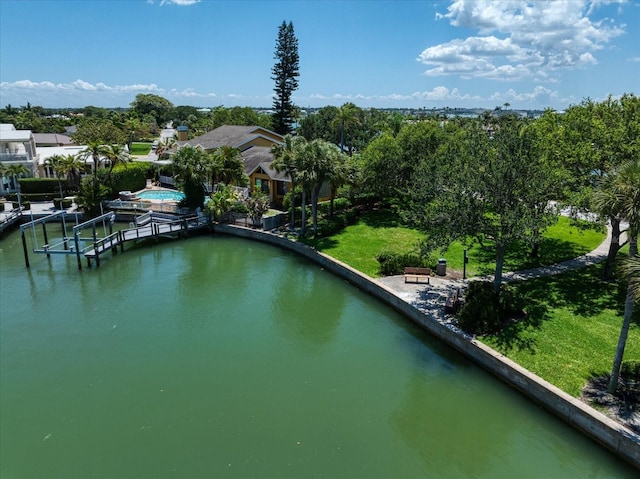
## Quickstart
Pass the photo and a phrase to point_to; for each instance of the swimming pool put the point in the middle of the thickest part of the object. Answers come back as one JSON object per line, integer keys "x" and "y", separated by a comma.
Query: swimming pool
{"x": 160, "y": 195}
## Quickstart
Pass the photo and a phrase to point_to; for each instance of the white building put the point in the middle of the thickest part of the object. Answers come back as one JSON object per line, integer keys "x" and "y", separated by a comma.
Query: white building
{"x": 17, "y": 147}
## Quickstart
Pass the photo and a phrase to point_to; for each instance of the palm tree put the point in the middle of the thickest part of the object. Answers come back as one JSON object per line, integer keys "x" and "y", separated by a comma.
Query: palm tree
{"x": 72, "y": 166}
{"x": 116, "y": 155}
{"x": 15, "y": 171}
{"x": 619, "y": 196}
{"x": 56, "y": 163}
{"x": 228, "y": 166}
{"x": 192, "y": 168}
{"x": 347, "y": 115}
{"x": 318, "y": 162}
{"x": 286, "y": 159}
{"x": 164, "y": 146}
{"x": 96, "y": 151}
{"x": 337, "y": 175}
{"x": 630, "y": 269}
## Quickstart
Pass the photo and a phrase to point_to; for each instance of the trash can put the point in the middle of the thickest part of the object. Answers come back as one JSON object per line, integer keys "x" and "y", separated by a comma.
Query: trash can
{"x": 441, "y": 268}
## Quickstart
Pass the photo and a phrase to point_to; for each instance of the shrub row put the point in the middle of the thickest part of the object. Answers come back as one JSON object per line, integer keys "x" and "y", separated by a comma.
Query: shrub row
{"x": 35, "y": 197}
{"x": 328, "y": 226}
{"x": 392, "y": 263}
{"x": 131, "y": 177}
{"x": 40, "y": 185}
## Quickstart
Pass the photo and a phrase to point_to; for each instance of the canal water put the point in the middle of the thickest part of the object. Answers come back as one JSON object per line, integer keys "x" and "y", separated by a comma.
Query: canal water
{"x": 216, "y": 357}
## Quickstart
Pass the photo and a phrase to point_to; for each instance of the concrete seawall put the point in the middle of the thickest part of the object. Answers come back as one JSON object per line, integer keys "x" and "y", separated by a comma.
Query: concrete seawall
{"x": 620, "y": 440}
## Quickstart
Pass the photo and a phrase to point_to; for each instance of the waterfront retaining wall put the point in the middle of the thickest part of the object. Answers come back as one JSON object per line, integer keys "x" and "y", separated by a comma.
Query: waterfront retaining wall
{"x": 622, "y": 441}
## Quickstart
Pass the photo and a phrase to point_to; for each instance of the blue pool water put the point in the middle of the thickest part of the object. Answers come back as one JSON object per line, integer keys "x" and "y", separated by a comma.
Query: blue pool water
{"x": 160, "y": 195}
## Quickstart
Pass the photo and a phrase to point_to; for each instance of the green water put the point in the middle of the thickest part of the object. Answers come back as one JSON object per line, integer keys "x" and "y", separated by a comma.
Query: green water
{"x": 216, "y": 357}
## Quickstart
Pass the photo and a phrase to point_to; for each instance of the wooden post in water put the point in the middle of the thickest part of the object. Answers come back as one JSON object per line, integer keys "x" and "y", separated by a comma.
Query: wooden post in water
{"x": 46, "y": 240}
{"x": 24, "y": 248}
{"x": 77, "y": 242}
{"x": 64, "y": 233}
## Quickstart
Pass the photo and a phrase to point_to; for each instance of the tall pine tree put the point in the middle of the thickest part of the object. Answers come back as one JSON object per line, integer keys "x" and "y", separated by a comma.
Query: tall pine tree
{"x": 285, "y": 73}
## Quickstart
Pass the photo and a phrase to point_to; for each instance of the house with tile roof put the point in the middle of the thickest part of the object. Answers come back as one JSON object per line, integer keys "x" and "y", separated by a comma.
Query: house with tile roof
{"x": 52, "y": 139}
{"x": 254, "y": 143}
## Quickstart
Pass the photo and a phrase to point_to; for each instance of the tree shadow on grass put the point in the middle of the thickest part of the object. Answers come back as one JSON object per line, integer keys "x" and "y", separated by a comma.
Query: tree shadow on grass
{"x": 382, "y": 219}
{"x": 518, "y": 255}
{"x": 582, "y": 292}
{"x": 321, "y": 244}
{"x": 514, "y": 334}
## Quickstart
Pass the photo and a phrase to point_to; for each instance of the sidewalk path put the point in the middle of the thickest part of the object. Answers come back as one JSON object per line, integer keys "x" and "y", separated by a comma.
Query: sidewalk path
{"x": 431, "y": 298}
{"x": 593, "y": 257}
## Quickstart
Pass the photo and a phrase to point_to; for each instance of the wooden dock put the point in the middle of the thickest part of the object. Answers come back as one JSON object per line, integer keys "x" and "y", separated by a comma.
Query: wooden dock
{"x": 9, "y": 218}
{"x": 146, "y": 226}
{"x": 149, "y": 225}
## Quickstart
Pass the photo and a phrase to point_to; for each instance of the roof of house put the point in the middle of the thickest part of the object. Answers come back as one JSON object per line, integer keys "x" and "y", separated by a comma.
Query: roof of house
{"x": 232, "y": 135}
{"x": 52, "y": 139}
{"x": 9, "y": 133}
{"x": 261, "y": 157}
{"x": 46, "y": 152}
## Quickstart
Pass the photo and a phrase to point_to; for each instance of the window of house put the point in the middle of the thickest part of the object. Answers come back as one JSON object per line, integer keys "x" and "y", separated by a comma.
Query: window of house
{"x": 281, "y": 188}
{"x": 262, "y": 185}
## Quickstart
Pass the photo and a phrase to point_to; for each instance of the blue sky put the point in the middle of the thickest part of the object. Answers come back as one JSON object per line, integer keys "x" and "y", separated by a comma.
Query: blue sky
{"x": 383, "y": 54}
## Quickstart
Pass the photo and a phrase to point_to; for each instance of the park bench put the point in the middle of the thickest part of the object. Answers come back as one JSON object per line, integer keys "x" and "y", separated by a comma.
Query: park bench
{"x": 414, "y": 274}
{"x": 453, "y": 302}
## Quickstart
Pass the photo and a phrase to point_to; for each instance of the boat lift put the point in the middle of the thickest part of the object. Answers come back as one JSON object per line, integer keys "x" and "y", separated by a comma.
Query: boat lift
{"x": 69, "y": 244}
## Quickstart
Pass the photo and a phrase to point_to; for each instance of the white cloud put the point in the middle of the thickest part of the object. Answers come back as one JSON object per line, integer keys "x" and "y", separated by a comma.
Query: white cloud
{"x": 539, "y": 96}
{"x": 80, "y": 93}
{"x": 437, "y": 94}
{"x": 520, "y": 39}
{"x": 184, "y": 3}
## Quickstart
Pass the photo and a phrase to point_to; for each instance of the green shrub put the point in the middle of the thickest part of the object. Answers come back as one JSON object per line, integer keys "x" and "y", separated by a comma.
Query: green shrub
{"x": 630, "y": 370}
{"x": 510, "y": 302}
{"x": 481, "y": 312}
{"x": 133, "y": 177}
{"x": 392, "y": 263}
{"x": 484, "y": 311}
{"x": 34, "y": 197}
{"x": 62, "y": 203}
{"x": 40, "y": 196}
{"x": 25, "y": 204}
{"x": 40, "y": 185}
{"x": 341, "y": 204}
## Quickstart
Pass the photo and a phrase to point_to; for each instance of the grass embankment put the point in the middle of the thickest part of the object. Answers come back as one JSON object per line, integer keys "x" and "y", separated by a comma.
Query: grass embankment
{"x": 140, "y": 149}
{"x": 378, "y": 231}
{"x": 359, "y": 244}
{"x": 571, "y": 329}
{"x": 573, "y": 322}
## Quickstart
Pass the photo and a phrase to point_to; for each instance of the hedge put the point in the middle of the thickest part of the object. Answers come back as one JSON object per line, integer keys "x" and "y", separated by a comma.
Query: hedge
{"x": 40, "y": 185}
{"x": 133, "y": 177}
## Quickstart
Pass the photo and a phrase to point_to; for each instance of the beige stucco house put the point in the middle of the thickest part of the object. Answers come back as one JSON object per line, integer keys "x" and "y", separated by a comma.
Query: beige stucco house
{"x": 255, "y": 143}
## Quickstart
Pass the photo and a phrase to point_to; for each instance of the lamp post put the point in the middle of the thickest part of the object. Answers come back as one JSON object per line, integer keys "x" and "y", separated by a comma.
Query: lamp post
{"x": 464, "y": 265}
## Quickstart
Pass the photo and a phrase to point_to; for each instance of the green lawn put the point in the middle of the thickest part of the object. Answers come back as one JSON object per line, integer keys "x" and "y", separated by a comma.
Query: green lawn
{"x": 561, "y": 241}
{"x": 358, "y": 244}
{"x": 140, "y": 149}
{"x": 571, "y": 330}
{"x": 377, "y": 231}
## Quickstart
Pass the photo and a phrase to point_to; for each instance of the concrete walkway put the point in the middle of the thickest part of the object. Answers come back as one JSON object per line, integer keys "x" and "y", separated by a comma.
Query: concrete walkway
{"x": 430, "y": 298}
